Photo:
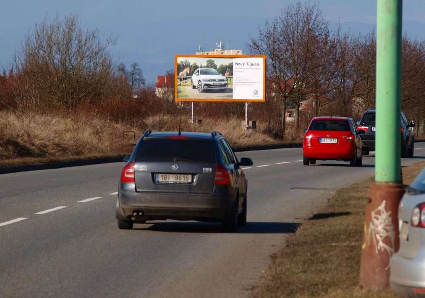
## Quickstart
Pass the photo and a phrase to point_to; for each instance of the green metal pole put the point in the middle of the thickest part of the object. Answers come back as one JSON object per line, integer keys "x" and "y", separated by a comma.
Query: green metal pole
{"x": 385, "y": 194}
{"x": 388, "y": 91}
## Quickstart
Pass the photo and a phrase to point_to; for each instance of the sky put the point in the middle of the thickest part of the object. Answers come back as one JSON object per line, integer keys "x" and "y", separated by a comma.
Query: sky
{"x": 151, "y": 32}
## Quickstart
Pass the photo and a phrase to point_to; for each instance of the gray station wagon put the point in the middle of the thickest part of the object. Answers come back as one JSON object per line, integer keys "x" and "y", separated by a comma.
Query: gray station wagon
{"x": 183, "y": 176}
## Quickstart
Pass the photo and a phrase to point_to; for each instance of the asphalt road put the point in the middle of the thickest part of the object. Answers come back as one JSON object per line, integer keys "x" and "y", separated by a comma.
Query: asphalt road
{"x": 59, "y": 237}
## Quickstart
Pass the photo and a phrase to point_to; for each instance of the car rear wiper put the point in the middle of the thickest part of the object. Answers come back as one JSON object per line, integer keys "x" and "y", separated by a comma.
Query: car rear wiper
{"x": 413, "y": 191}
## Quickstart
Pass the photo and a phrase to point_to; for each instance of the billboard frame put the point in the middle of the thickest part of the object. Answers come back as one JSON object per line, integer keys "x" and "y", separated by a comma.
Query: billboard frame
{"x": 176, "y": 99}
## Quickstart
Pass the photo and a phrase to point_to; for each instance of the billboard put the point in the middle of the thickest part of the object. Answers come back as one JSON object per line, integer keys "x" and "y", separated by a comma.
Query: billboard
{"x": 220, "y": 78}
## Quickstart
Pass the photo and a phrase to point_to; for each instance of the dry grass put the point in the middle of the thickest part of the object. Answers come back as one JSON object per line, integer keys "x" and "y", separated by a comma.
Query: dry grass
{"x": 45, "y": 136}
{"x": 34, "y": 138}
{"x": 323, "y": 258}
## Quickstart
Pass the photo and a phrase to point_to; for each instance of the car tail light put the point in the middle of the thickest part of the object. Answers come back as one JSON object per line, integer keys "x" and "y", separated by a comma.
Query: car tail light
{"x": 350, "y": 138}
{"x": 178, "y": 138}
{"x": 127, "y": 174}
{"x": 418, "y": 216}
{"x": 364, "y": 128}
{"x": 221, "y": 176}
{"x": 308, "y": 139}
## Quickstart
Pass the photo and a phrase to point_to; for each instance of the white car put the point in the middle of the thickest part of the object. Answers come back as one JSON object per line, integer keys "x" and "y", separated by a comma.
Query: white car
{"x": 208, "y": 79}
{"x": 408, "y": 264}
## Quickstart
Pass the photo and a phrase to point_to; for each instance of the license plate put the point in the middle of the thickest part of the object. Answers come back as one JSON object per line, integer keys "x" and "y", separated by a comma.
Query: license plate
{"x": 328, "y": 140}
{"x": 373, "y": 128}
{"x": 404, "y": 231}
{"x": 173, "y": 178}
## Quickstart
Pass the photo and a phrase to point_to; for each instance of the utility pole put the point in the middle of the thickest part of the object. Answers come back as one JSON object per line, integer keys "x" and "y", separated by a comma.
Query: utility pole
{"x": 381, "y": 232}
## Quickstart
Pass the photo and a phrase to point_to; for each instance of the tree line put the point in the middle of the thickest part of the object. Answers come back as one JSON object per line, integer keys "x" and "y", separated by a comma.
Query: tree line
{"x": 316, "y": 70}
{"x": 311, "y": 70}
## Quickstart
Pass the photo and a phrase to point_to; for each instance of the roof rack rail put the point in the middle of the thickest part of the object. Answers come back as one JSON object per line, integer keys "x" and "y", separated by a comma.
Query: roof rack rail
{"x": 215, "y": 133}
{"x": 147, "y": 132}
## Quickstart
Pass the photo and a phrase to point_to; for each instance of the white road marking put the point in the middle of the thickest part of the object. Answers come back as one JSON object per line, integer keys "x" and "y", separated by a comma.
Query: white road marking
{"x": 51, "y": 210}
{"x": 283, "y": 162}
{"x": 262, "y": 166}
{"x": 419, "y": 148}
{"x": 89, "y": 200}
{"x": 246, "y": 168}
{"x": 12, "y": 221}
{"x": 114, "y": 193}
{"x": 298, "y": 160}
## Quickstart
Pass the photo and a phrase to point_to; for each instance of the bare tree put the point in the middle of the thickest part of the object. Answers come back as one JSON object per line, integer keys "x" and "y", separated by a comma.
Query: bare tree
{"x": 135, "y": 76}
{"x": 64, "y": 64}
{"x": 289, "y": 42}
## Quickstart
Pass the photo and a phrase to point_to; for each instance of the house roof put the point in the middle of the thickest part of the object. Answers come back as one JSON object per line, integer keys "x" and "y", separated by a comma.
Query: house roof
{"x": 164, "y": 81}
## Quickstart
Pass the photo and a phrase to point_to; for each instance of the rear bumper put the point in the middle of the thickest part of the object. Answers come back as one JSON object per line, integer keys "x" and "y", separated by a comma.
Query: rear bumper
{"x": 161, "y": 206}
{"x": 341, "y": 153}
{"x": 408, "y": 274}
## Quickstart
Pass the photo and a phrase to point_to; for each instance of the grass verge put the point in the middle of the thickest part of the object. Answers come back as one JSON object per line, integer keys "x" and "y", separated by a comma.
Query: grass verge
{"x": 323, "y": 258}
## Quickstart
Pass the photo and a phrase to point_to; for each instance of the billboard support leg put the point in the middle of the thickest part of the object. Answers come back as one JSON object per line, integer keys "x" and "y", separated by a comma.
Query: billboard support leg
{"x": 193, "y": 120}
{"x": 246, "y": 114}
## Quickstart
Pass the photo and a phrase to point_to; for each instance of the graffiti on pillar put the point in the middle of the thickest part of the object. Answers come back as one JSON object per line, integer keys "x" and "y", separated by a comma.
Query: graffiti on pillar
{"x": 380, "y": 228}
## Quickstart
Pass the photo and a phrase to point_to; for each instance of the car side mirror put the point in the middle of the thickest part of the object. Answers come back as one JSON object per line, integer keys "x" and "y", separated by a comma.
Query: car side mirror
{"x": 126, "y": 158}
{"x": 247, "y": 162}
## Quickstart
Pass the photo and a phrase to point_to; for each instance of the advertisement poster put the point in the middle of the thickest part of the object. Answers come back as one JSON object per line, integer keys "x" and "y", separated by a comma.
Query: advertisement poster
{"x": 220, "y": 78}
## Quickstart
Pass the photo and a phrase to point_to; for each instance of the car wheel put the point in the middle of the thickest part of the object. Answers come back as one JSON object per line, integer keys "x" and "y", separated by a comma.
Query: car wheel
{"x": 411, "y": 150}
{"x": 125, "y": 224}
{"x": 312, "y": 161}
{"x": 199, "y": 86}
{"x": 353, "y": 160}
{"x": 365, "y": 151}
{"x": 231, "y": 224}
{"x": 404, "y": 151}
{"x": 359, "y": 161}
{"x": 305, "y": 160}
{"x": 242, "y": 216}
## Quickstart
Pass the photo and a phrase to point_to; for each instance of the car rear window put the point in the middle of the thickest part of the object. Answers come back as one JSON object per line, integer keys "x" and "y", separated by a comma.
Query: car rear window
{"x": 174, "y": 150}
{"x": 368, "y": 118}
{"x": 337, "y": 125}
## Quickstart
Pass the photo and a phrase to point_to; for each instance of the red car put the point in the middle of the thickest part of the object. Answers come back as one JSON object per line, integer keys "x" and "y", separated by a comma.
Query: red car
{"x": 332, "y": 138}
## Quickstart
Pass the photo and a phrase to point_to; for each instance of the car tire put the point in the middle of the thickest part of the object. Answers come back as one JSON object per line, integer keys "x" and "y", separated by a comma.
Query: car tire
{"x": 231, "y": 224}
{"x": 125, "y": 224}
{"x": 365, "y": 151}
{"x": 353, "y": 161}
{"x": 306, "y": 161}
{"x": 242, "y": 216}
{"x": 411, "y": 150}
{"x": 312, "y": 161}
{"x": 359, "y": 161}
{"x": 404, "y": 152}
{"x": 199, "y": 87}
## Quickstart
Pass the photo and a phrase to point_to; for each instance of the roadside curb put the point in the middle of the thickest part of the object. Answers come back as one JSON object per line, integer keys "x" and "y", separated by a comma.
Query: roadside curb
{"x": 58, "y": 165}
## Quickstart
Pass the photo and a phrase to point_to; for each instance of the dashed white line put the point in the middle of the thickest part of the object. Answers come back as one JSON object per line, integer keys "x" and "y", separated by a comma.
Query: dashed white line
{"x": 246, "y": 168}
{"x": 281, "y": 163}
{"x": 298, "y": 160}
{"x": 262, "y": 166}
{"x": 12, "y": 221}
{"x": 89, "y": 200}
{"x": 51, "y": 210}
{"x": 114, "y": 193}
{"x": 419, "y": 148}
